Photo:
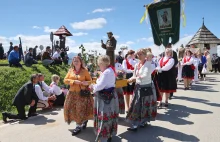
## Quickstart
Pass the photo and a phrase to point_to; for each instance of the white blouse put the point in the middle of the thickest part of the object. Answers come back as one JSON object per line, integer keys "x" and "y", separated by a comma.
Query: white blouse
{"x": 168, "y": 65}
{"x": 118, "y": 67}
{"x": 190, "y": 62}
{"x": 45, "y": 87}
{"x": 143, "y": 75}
{"x": 105, "y": 81}
{"x": 133, "y": 62}
{"x": 196, "y": 62}
{"x": 55, "y": 89}
{"x": 124, "y": 66}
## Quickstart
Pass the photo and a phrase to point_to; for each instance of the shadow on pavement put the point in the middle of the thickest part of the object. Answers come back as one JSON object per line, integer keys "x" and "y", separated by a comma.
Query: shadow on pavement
{"x": 176, "y": 113}
{"x": 203, "y": 88}
{"x": 38, "y": 120}
{"x": 197, "y": 100}
{"x": 152, "y": 133}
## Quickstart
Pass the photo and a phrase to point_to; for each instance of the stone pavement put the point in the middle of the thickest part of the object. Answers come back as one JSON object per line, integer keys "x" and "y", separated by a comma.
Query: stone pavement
{"x": 192, "y": 116}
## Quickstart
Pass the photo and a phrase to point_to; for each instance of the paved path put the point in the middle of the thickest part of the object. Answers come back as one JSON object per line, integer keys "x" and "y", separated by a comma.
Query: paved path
{"x": 192, "y": 116}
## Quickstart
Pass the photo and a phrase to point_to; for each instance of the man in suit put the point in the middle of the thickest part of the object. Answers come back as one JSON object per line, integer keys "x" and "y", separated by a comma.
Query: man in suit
{"x": 175, "y": 64}
{"x": 119, "y": 57}
{"x": 25, "y": 96}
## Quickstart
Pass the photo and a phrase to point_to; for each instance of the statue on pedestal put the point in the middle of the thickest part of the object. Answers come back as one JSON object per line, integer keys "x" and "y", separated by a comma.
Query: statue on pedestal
{"x": 110, "y": 47}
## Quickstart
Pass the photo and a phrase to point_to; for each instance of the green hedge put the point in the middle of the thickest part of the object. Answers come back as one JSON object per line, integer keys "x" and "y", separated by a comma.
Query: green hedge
{"x": 11, "y": 79}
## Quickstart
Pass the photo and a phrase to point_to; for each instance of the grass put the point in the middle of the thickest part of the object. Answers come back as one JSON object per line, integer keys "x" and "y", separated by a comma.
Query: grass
{"x": 11, "y": 79}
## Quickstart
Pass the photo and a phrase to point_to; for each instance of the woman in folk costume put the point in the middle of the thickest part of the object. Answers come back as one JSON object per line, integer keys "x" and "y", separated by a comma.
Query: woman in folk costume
{"x": 77, "y": 107}
{"x": 154, "y": 75}
{"x": 119, "y": 91}
{"x": 144, "y": 103}
{"x": 188, "y": 69}
{"x": 196, "y": 71}
{"x": 128, "y": 68}
{"x": 106, "y": 102}
{"x": 166, "y": 75}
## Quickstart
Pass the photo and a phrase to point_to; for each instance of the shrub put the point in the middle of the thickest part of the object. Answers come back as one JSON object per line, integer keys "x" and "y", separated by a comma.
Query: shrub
{"x": 11, "y": 79}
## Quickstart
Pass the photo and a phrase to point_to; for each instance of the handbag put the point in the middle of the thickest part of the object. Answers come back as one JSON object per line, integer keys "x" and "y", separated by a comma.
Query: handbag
{"x": 146, "y": 91}
{"x": 204, "y": 70}
{"x": 85, "y": 92}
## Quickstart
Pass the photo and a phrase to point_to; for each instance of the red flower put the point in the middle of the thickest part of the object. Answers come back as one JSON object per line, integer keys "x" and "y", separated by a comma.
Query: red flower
{"x": 154, "y": 113}
{"x": 104, "y": 132}
{"x": 105, "y": 118}
{"x": 153, "y": 103}
{"x": 147, "y": 104}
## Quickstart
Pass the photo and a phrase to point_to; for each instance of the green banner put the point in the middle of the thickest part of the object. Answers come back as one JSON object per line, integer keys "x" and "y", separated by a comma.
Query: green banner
{"x": 165, "y": 21}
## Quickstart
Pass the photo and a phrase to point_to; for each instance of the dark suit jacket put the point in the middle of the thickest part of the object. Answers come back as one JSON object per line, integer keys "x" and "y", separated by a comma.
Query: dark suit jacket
{"x": 174, "y": 57}
{"x": 25, "y": 95}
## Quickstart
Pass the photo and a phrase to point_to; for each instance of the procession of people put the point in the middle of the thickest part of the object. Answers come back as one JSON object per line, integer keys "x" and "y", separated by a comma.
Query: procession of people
{"x": 150, "y": 80}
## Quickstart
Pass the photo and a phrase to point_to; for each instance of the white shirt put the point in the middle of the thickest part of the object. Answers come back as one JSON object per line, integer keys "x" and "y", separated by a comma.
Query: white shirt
{"x": 56, "y": 55}
{"x": 55, "y": 89}
{"x": 105, "y": 81}
{"x": 124, "y": 66}
{"x": 196, "y": 62}
{"x": 118, "y": 67}
{"x": 168, "y": 65}
{"x": 190, "y": 62}
{"x": 45, "y": 87}
{"x": 133, "y": 62}
{"x": 39, "y": 93}
{"x": 144, "y": 73}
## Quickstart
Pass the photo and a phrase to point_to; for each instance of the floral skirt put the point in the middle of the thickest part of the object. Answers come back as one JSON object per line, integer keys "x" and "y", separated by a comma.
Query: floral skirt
{"x": 78, "y": 108}
{"x": 105, "y": 118}
{"x": 121, "y": 100}
{"x": 143, "y": 106}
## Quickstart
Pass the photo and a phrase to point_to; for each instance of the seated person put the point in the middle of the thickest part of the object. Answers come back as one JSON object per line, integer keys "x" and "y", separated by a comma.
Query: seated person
{"x": 28, "y": 58}
{"x": 57, "y": 58}
{"x": 55, "y": 90}
{"x": 13, "y": 57}
{"x": 25, "y": 96}
{"x": 43, "y": 101}
{"x": 64, "y": 56}
{"x": 46, "y": 58}
{"x": 43, "y": 85}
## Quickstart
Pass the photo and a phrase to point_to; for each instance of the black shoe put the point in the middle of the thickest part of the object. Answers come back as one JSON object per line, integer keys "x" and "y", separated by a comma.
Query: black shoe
{"x": 84, "y": 125}
{"x": 132, "y": 129}
{"x": 170, "y": 97}
{"x": 33, "y": 114}
{"x": 109, "y": 139}
{"x": 4, "y": 117}
{"x": 24, "y": 118}
{"x": 166, "y": 104}
{"x": 143, "y": 125}
{"x": 76, "y": 131}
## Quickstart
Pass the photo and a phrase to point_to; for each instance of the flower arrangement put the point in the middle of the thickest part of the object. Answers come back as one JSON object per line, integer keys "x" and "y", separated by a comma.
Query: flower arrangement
{"x": 120, "y": 75}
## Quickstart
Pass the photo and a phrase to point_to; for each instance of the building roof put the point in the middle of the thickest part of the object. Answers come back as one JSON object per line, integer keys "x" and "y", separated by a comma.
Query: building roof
{"x": 204, "y": 36}
{"x": 62, "y": 31}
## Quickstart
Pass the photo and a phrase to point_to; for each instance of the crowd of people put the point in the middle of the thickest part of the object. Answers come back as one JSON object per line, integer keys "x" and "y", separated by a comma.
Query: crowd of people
{"x": 30, "y": 57}
{"x": 148, "y": 79}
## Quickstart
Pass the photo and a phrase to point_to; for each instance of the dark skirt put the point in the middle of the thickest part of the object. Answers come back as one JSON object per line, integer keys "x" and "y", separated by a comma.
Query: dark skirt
{"x": 167, "y": 81}
{"x": 128, "y": 90}
{"x": 154, "y": 77}
{"x": 143, "y": 106}
{"x": 187, "y": 72}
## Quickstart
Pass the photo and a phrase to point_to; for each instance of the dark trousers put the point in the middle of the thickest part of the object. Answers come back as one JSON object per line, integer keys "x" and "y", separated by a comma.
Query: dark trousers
{"x": 15, "y": 63}
{"x": 59, "y": 101}
{"x": 1, "y": 56}
{"x": 215, "y": 67}
{"x": 21, "y": 112}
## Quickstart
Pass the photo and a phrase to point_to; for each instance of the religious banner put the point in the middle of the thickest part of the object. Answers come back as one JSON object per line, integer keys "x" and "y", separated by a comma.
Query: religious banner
{"x": 165, "y": 21}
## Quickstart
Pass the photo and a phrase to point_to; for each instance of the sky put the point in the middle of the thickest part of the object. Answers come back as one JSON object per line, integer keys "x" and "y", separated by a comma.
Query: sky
{"x": 89, "y": 20}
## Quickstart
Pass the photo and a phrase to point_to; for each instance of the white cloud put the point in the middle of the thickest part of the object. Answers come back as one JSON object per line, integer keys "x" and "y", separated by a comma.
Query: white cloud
{"x": 49, "y": 30}
{"x": 79, "y": 34}
{"x": 99, "y": 10}
{"x": 36, "y": 27}
{"x": 150, "y": 39}
{"x": 97, "y": 23}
